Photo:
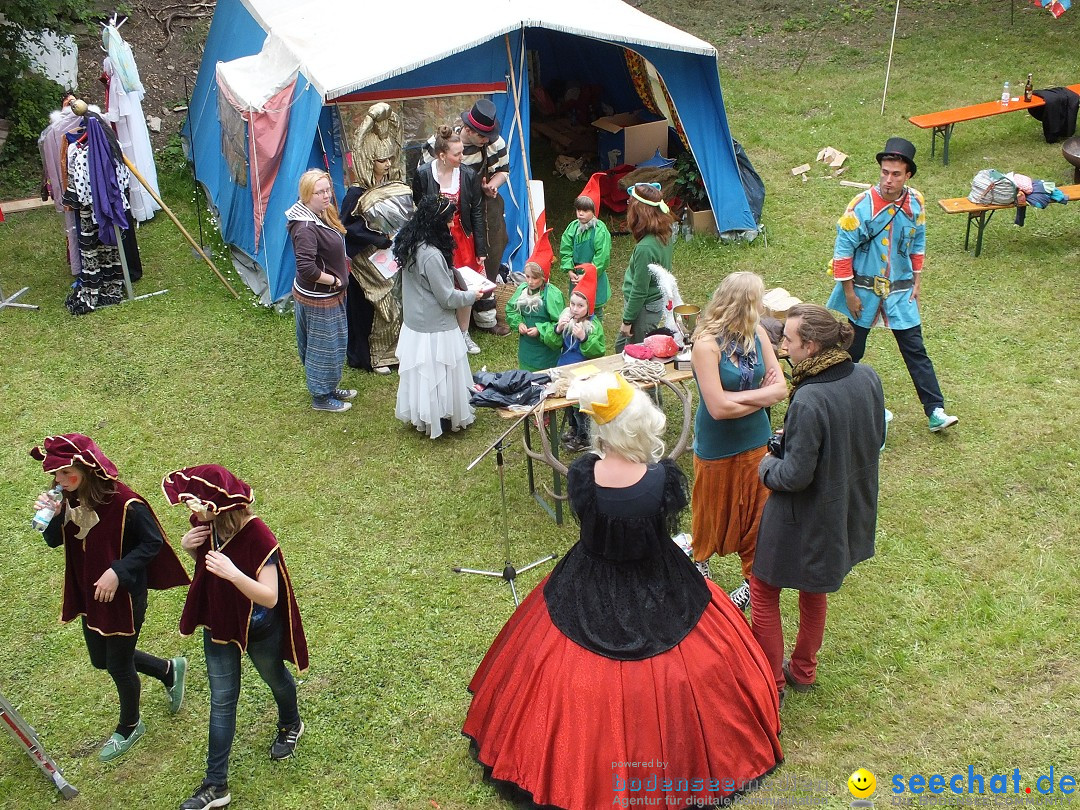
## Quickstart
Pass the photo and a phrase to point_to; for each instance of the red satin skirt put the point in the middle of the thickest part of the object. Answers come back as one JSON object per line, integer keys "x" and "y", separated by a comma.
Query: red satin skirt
{"x": 577, "y": 730}
{"x": 464, "y": 246}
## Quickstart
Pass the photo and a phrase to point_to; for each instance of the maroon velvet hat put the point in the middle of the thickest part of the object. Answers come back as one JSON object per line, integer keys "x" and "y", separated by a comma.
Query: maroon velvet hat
{"x": 57, "y": 452}
{"x": 211, "y": 485}
{"x": 481, "y": 118}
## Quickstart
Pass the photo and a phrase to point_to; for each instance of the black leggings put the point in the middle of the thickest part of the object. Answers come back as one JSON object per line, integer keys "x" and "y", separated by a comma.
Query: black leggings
{"x": 117, "y": 655}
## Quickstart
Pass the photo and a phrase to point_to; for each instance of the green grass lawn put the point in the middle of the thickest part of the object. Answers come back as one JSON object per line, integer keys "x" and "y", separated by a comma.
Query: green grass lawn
{"x": 950, "y": 648}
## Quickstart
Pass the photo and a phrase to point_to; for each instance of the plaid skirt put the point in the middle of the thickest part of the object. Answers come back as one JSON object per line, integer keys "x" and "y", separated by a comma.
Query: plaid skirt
{"x": 322, "y": 334}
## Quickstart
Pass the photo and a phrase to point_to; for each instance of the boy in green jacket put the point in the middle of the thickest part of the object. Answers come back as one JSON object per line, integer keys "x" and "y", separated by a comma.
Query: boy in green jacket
{"x": 587, "y": 240}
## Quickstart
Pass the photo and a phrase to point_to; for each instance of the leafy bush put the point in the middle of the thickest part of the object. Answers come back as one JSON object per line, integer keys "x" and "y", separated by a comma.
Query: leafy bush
{"x": 32, "y": 99}
{"x": 691, "y": 186}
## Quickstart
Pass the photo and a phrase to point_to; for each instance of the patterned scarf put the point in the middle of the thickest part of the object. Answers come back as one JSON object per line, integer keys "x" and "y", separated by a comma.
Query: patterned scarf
{"x": 747, "y": 361}
{"x": 813, "y": 366}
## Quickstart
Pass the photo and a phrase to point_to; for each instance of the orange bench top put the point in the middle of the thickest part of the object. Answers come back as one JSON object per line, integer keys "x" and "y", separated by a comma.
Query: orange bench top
{"x": 962, "y": 205}
{"x": 984, "y": 110}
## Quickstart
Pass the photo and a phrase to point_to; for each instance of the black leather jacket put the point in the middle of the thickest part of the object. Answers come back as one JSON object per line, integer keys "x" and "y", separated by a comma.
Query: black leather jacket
{"x": 471, "y": 198}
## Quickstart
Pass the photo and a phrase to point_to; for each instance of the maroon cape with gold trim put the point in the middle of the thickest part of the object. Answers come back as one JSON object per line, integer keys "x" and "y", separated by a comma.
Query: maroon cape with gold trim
{"x": 217, "y": 604}
{"x": 88, "y": 558}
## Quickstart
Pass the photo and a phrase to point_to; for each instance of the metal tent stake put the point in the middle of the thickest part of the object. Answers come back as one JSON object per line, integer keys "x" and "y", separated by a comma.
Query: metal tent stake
{"x": 10, "y": 302}
{"x": 27, "y": 738}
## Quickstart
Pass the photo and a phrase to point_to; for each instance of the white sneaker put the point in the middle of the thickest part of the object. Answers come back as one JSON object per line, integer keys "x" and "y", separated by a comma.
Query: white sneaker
{"x": 939, "y": 420}
{"x": 470, "y": 344}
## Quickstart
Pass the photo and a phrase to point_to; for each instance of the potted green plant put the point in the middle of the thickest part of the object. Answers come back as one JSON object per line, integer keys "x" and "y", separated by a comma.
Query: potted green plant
{"x": 691, "y": 190}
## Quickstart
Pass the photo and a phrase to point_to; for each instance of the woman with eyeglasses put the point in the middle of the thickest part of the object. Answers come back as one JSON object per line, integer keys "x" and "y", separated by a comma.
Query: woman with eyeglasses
{"x": 649, "y": 220}
{"x": 322, "y": 277}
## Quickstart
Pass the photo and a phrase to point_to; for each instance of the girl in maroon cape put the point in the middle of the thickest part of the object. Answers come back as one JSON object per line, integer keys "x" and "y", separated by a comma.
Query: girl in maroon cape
{"x": 625, "y": 677}
{"x": 114, "y": 549}
{"x": 242, "y": 597}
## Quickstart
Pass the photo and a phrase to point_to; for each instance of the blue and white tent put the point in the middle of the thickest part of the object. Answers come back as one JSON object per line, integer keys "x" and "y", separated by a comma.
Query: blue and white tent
{"x": 321, "y": 55}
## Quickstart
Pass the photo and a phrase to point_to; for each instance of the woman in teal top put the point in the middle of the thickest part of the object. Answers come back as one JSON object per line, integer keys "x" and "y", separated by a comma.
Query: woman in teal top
{"x": 650, "y": 221}
{"x": 738, "y": 377}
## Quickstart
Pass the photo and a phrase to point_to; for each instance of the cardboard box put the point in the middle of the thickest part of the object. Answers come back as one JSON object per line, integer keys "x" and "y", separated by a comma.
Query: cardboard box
{"x": 703, "y": 223}
{"x": 635, "y": 135}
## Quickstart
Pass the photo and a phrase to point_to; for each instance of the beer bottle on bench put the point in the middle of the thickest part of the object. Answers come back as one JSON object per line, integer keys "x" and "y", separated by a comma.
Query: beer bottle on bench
{"x": 1028, "y": 89}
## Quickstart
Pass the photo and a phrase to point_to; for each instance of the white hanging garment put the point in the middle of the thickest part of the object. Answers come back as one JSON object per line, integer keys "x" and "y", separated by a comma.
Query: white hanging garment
{"x": 124, "y": 104}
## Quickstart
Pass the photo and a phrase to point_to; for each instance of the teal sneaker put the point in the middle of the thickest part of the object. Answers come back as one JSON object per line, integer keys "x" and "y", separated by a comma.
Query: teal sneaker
{"x": 939, "y": 420}
{"x": 176, "y": 691}
{"x": 118, "y": 745}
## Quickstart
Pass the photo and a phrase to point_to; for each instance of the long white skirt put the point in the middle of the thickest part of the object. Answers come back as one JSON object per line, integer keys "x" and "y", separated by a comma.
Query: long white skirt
{"x": 435, "y": 380}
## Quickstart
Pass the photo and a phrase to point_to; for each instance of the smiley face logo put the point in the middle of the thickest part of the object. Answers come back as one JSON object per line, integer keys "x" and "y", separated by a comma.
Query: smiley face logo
{"x": 862, "y": 784}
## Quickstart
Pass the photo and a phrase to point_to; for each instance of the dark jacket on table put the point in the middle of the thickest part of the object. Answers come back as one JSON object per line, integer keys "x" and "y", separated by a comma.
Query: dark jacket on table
{"x": 819, "y": 520}
{"x": 471, "y": 201}
{"x": 318, "y": 249}
{"x": 1058, "y": 116}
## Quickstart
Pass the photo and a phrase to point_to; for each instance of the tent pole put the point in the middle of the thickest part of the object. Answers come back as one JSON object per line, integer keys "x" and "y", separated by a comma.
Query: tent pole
{"x": 888, "y": 67}
{"x": 176, "y": 222}
{"x": 521, "y": 137}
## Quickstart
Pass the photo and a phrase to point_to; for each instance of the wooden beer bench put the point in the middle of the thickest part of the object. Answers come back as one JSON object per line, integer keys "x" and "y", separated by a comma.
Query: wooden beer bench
{"x": 944, "y": 121}
{"x": 981, "y": 214}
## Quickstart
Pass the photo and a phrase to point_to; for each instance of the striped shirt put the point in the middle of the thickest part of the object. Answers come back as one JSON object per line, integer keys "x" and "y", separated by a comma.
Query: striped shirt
{"x": 485, "y": 160}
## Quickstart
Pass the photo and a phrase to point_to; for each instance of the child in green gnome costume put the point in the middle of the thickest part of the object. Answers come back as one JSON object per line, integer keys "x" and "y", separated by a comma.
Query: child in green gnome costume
{"x": 533, "y": 312}
{"x": 582, "y": 335}
{"x": 587, "y": 240}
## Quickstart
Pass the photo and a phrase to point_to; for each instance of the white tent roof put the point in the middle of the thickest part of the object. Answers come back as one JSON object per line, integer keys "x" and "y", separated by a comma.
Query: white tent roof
{"x": 344, "y": 45}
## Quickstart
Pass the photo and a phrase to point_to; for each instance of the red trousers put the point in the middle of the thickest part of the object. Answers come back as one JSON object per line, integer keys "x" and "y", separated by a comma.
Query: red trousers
{"x": 769, "y": 631}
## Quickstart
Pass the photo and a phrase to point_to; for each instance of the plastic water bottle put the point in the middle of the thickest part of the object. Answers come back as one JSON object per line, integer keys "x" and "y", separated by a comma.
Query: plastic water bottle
{"x": 1005, "y": 95}
{"x": 43, "y": 517}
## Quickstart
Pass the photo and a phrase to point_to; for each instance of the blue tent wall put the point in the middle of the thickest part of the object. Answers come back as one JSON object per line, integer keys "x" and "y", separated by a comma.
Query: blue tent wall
{"x": 694, "y": 86}
{"x": 692, "y": 81}
{"x": 234, "y": 33}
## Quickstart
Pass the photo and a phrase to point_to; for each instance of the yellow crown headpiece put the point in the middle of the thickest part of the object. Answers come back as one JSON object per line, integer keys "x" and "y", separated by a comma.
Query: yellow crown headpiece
{"x": 617, "y": 400}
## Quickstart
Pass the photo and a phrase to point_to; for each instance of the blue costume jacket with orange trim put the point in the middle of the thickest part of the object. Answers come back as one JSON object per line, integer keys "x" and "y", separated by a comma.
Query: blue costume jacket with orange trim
{"x": 868, "y": 245}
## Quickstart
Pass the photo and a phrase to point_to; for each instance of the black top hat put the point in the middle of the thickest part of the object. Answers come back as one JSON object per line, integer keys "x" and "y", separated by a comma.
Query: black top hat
{"x": 481, "y": 118}
{"x": 899, "y": 148}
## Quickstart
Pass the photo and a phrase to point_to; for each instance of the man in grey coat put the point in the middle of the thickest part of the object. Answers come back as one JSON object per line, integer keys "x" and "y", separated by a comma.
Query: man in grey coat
{"x": 820, "y": 517}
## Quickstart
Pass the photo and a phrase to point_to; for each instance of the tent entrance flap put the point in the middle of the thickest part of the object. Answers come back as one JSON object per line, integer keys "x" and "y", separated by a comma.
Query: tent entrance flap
{"x": 260, "y": 87}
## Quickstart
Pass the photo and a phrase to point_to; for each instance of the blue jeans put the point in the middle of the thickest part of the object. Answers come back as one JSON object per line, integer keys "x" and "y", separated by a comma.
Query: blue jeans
{"x": 910, "y": 343}
{"x": 223, "y": 671}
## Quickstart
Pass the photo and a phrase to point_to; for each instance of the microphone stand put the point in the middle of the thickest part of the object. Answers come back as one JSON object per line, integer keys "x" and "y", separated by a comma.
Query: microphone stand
{"x": 510, "y": 571}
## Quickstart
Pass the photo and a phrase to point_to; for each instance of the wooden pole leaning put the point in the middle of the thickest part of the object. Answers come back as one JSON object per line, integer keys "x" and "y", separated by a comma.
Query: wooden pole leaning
{"x": 176, "y": 222}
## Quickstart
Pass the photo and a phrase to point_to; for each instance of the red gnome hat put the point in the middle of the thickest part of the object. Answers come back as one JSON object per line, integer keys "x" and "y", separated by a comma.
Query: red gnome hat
{"x": 587, "y": 286}
{"x": 542, "y": 254}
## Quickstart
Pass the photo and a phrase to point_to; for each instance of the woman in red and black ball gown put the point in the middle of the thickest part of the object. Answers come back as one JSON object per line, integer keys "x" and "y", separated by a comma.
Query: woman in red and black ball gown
{"x": 626, "y": 675}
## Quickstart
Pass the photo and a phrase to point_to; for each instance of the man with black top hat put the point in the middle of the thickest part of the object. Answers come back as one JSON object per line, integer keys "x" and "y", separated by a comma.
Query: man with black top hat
{"x": 878, "y": 262}
{"x": 485, "y": 151}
